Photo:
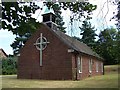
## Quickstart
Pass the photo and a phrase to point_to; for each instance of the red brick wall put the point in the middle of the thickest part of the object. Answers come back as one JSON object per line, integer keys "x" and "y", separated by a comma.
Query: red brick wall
{"x": 74, "y": 67}
{"x": 57, "y": 62}
{"x": 85, "y": 66}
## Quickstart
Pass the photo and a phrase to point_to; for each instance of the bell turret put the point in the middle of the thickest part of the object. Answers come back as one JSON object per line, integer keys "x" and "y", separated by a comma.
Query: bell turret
{"x": 49, "y": 18}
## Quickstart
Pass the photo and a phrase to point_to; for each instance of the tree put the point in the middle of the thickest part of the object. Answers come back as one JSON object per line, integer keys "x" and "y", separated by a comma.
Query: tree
{"x": 17, "y": 14}
{"x": 118, "y": 16}
{"x": 107, "y": 45}
{"x": 88, "y": 34}
{"x": 16, "y": 17}
{"x": 9, "y": 66}
{"x": 77, "y": 38}
{"x": 77, "y": 8}
{"x": 59, "y": 19}
{"x": 117, "y": 48}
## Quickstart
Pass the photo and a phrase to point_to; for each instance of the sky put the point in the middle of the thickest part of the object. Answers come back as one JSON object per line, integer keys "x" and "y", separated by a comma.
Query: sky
{"x": 100, "y": 19}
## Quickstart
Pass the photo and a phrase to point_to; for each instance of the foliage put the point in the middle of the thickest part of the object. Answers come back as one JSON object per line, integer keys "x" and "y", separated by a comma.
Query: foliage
{"x": 77, "y": 38}
{"x": 117, "y": 48}
{"x": 79, "y": 9}
{"x": 88, "y": 34}
{"x": 118, "y": 16}
{"x": 76, "y": 7}
{"x": 107, "y": 46}
{"x": 17, "y": 14}
{"x": 118, "y": 34}
{"x": 16, "y": 17}
{"x": 9, "y": 66}
{"x": 59, "y": 19}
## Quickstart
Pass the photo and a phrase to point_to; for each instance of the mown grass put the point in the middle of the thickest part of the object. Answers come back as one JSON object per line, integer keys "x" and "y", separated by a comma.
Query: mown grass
{"x": 109, "y": 69}
{"x": 105, "y": 81}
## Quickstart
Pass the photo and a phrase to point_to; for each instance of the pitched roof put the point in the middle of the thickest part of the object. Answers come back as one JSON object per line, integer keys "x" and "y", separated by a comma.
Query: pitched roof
{"x": 2, "y": 53}
{"x": 48, "y": 11}
{"x": 75, "y": 44}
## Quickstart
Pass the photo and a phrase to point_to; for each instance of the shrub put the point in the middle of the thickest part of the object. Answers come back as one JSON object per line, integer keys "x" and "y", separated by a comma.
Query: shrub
{"x": 9, "y": 66}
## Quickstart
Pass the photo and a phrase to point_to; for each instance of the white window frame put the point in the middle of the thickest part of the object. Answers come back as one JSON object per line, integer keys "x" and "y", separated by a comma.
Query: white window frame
{"x": 90, "y": 65}
{"x": 97, "y": 67}
{"x": 79, "y": 64}
{"x": 102, "y": 67}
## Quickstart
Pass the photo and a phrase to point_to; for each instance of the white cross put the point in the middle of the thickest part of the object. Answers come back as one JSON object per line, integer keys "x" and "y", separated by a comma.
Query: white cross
{"x": 39, "y": 45}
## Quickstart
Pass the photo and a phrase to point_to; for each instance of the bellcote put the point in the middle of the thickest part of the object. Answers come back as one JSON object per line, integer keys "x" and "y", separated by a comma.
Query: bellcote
{"x": 49, "y": 18}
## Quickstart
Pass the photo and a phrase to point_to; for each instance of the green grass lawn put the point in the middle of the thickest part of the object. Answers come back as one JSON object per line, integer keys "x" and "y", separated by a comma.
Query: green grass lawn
{"x": 105, "y": 81}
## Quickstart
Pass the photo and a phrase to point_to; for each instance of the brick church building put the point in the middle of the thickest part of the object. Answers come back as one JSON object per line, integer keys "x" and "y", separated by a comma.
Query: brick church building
{"x": 49, "y": 54}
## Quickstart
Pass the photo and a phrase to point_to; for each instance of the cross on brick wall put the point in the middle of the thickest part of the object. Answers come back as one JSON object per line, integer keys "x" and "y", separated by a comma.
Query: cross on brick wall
{"x": 41, "y": 44}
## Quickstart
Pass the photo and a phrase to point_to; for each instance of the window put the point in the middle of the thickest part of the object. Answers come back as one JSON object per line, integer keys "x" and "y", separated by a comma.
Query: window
{"x": 97, "y": 67}
{"x": 79, "y": 64}
{"x": 90, "y": 65}
{"x": 102, "y": 67}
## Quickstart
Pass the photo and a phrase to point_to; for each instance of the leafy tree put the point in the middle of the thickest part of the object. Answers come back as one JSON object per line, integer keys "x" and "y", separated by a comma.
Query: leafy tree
{"x": 16, "y": 17}
{"x": 106, "y": 46}
{"x": 17, "y": 14}
{"x": 118, "y": 16}
{"x": 88, "y": 34}
{"x": 77, "y": 8}
{"x": 117, "y": 48}
{"x": 59, "y": 19}
{"x": 9, "y": 66}
{"x": 77, "y": 38}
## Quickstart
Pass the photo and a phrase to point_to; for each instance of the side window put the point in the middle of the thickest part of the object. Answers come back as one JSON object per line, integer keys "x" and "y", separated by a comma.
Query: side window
{"x": 90, "y": 65}
{"x": 102, "y": 67}
{"x": 79, "y": 64}
{"x": 97, "y": 67}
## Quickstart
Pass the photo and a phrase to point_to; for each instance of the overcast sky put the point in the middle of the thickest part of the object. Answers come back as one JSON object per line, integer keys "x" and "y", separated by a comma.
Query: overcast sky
{"x": 101, "y": 20}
